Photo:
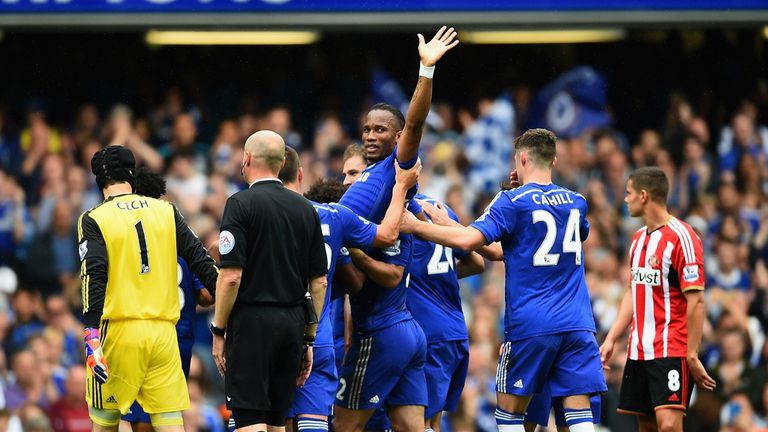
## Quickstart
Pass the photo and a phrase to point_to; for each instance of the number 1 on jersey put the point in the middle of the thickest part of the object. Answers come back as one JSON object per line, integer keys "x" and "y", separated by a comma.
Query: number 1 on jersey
{"x": 571, "y": 239}
{"x": 142, "y": 248}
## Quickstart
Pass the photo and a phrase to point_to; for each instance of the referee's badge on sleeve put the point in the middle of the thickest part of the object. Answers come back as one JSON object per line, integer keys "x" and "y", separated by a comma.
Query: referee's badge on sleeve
{"x": 226, "y": 242}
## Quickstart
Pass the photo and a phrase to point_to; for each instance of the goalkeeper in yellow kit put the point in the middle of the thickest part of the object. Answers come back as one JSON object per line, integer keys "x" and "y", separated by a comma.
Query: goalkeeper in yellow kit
{"x": 128, "y": 246}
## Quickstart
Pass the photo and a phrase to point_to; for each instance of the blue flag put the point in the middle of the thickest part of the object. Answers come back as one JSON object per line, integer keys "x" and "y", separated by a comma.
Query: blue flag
{"x": 572, "y": 103}
{"x": 488, "y": 146}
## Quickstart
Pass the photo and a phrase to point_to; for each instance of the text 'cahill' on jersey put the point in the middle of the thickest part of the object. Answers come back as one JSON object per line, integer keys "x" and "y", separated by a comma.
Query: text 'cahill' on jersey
{"x": 370, "y": 195}
{"x": 433, "y": 292}
{"x": 665, "y": 263}
{"x": 376, "y": 307}
{"x": 341, "y": 227}
{"x": 541, "y": 228}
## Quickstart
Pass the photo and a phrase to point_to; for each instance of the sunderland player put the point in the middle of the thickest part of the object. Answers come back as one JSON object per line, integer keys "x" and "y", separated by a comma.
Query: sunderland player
{"x": 191, "y": 292}
{"x": 341, "y": 227}
{"x": 548, "y": 324}
{"x": 435, "y": 303}
{"x": 666, "y": 308}
{"x": 128, "y": 249}
{"x": 384, "y": 365}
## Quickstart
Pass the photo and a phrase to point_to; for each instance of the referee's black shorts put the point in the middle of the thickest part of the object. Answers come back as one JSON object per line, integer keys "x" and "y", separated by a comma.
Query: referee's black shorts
{"x": 263, "y": 353}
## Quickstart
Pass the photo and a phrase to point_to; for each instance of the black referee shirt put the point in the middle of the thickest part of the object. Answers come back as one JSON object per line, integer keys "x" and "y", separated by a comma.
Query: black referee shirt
{"x": 274, "y": 234}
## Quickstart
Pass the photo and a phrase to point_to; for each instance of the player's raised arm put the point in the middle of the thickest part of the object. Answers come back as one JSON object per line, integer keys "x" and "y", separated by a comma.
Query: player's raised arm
{"x": 457, "y": 237}
{"x": 430, "y": 53}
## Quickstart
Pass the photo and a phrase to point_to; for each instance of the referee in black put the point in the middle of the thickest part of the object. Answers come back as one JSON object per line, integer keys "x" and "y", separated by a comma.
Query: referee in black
{"x": 272, "y": 254}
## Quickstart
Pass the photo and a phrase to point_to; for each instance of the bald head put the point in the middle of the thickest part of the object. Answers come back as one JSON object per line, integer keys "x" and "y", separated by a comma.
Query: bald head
{"x": 268, "y": 148}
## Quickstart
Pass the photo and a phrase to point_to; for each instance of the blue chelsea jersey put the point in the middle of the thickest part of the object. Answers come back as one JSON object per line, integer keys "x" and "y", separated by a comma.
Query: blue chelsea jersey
{"x": 341, "y": 227}
{"x": 433, "y": 294}
{"x": 375, "y": 307}
{"x": 189, "y": 286}
{"x": 370, "y": 195}
{"x": 541, "y": 228}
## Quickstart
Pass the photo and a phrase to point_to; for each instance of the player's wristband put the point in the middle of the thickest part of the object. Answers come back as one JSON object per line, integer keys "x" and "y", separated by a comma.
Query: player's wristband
{"x": 426, "y": 71}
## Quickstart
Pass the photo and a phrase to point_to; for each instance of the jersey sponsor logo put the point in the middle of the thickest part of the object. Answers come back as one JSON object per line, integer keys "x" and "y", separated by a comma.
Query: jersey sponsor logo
{"x": 133, "y": 205}
{"x": 556, "y": 199}
{"x": 83, "y": 249}
{"x": 393, "y": 250}
{"x": 226, "y": 242}
{"x": 691, "y": 273}
{"x": 646, "y": 276}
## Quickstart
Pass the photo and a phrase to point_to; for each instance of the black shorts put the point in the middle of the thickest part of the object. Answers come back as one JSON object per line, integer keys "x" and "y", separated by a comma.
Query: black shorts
{"x": 649, "y": 385}
{"x": 263, "y": 352}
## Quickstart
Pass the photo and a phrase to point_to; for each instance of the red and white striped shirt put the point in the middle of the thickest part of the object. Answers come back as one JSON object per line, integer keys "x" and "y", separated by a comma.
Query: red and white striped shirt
{"x": 665, "y": 263}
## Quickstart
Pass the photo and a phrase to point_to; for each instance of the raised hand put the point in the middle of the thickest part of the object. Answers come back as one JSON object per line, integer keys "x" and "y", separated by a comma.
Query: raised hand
{"x": 432, "y": 51}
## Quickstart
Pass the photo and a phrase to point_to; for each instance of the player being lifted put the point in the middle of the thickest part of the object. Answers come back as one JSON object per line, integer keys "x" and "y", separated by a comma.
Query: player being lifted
{"x": 385, "y": 363}
{"x": 666, "y": 308}
{"x": 548, "y": 329}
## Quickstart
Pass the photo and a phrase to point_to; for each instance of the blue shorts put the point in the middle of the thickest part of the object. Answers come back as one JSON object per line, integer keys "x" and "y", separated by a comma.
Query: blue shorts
{"x": 136, "y": 413}
{"x": 446, "y": 372}
{"x": 386, "y": 366}
{"x": 541, "y": 403}
{"x": 316, "y": 397}
{"x": 569, "y": 363}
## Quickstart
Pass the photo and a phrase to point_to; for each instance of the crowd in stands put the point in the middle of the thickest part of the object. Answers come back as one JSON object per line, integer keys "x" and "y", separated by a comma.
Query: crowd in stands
{"x": 719, "y": 181}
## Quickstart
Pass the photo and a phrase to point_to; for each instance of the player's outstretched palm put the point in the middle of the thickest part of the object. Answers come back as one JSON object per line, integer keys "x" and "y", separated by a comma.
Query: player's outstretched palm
{"x": 700, "y": 375}
{"x": 432, "y": 51}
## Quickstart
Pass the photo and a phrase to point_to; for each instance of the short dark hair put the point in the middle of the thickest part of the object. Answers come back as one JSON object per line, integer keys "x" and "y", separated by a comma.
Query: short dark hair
{"x": 290, "y": 170}
{"x": 381, "y": 106}
{"x": 540, "y": 144}
{"x": 149, "y": 184}
{"x": 652, "y": 180}
{"x": 326, "y": 191}
{"x": 353, "y": 150}
{"x": 113, "y": 164}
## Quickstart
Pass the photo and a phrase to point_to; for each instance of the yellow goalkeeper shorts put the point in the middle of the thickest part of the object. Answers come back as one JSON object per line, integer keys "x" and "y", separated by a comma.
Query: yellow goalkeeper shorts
{"x": 143, "y": 364}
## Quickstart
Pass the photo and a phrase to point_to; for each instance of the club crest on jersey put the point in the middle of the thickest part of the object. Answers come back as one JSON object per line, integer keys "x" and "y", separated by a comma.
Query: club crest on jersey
{"x": 226, "y": 242}
{"x": 393, "y": 250}
{"x": 83, "y": 249}
{"x": 653, "y": 261}
{"x": 646, "y": 276}
{"x": 691, "y": 273}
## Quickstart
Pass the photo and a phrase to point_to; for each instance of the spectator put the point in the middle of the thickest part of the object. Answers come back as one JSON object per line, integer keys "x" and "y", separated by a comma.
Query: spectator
{"x": 26, "y": 304}
{"x": 15, "y": 222}
{"x": 27, "y": 385}
{"x": 184, "y": 141}
{"x": 186, "y": 185}
{"x": 278, "y": 119}
{"x": 733, "y": 372}
{"x": 70, "y": 413}
{"x": 121, "y": 132}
